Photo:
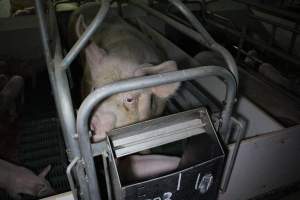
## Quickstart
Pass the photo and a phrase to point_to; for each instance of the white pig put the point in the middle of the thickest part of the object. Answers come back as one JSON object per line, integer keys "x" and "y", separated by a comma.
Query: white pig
{"x": 18, "y": 180}
{"x": 119, "y": 51}
{"x": 140, "y": 167}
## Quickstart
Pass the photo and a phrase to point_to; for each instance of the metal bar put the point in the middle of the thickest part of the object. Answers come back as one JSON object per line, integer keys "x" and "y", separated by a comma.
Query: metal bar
{"x": 202, "y": 36}
{"x": 288, "y": 28}
{"x": 194, "y": 21}
{"x": 70, "y": 177}
{"x": 293, "y": 40}
{"x": 280, "y": 54}
{"x": 241, "y": 43}
{"x": 83, "y": 40}
{"x": 62, "y": 93}
{"x": 49, "y": 61}
{"x": 241, "y": 126}
{"x": 272, "y": 10}
{"x": 64, "y": 100}
{"x": 66, "y": 113}
{"x": 98, "y": 95}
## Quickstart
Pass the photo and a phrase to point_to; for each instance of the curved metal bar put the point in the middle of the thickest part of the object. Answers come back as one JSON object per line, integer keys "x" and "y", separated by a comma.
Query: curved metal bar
{"x": 83, "y": 40}
{"x": 100, "y": 94}
{"x": 193, "y": 20}
{"x": 201, "y": 35}
{"x": 70, "y": 178}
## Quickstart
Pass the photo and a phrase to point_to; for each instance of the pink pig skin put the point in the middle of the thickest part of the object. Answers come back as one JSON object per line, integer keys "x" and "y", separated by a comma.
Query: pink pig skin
{"x": 119, "y": 51}
{"x": 140, "y": 167}
{"x": 18, "y": 180}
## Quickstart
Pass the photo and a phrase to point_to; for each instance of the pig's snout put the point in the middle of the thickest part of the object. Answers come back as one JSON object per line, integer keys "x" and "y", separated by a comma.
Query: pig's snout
{"x": 101, "y": 124}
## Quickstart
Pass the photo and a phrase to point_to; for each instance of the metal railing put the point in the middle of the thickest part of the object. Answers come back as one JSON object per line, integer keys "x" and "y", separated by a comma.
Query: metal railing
{"x": 79, "y": 149}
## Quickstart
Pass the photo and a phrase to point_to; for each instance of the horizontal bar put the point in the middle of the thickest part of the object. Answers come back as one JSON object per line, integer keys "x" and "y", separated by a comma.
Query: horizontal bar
{"x": 257, "y": 43}
{"x": 272, "y": 10}
{"x": 278, "y": 24}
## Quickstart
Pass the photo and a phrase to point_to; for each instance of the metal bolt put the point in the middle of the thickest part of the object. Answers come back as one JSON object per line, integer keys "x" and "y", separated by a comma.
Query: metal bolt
{"x": 205, "y": 183}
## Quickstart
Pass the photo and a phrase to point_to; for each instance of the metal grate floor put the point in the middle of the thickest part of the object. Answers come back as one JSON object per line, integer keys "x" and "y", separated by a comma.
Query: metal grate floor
{"x": 41, "y": 144}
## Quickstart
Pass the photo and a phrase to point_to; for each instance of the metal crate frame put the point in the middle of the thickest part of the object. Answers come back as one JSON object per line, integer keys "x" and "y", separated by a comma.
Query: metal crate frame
{"x": 79, "y": 149}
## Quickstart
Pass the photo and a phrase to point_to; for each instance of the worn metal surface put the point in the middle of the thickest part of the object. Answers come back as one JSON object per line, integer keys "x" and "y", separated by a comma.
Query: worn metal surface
{"x": 264, "y": 163}
{"x": 156, "y": 132}
{"x": 198, "y": 173}
{"x": 210, "y": 42}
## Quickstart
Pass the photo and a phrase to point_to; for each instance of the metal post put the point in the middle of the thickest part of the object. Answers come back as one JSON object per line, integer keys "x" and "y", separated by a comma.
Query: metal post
{"x": 212, "y": 44}
{"x": 98, "y": 95}
{"x": 61, "y": 92}
{"x": 240, "y": 133}
{"x": 68, "y": 129}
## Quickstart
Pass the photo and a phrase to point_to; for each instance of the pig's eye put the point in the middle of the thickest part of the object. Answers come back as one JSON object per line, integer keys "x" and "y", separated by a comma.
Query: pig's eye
{"x": 129, "y": 100}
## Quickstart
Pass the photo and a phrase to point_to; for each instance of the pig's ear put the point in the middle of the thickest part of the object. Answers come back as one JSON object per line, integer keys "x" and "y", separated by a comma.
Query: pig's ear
{"x": 80, "y": 26}
{"x": 45, "y": 171}
{"x": 162, "y": 91}
{"x": 94, "y": 54}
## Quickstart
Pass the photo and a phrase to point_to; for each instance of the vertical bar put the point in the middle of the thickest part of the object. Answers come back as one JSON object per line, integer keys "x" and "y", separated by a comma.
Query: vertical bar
{"x": 272, "y": 39}
{"x": 293, "y": 40}
{"x": 61, "y": 92}
{"x": 241, "y": 43}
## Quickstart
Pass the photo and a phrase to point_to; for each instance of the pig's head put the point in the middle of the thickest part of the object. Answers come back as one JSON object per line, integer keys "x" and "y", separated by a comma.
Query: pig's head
{"x": 128, "y": 107}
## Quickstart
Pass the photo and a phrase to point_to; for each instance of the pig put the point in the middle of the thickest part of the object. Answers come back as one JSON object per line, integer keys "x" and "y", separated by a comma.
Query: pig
{"x": 140, "y": 167}
{"x": 118, "y": 51}
{"x": 18, "y": 180}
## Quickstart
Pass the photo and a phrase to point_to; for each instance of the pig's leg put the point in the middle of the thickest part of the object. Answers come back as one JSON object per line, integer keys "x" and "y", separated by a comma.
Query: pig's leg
{"x": 138, "y": 167}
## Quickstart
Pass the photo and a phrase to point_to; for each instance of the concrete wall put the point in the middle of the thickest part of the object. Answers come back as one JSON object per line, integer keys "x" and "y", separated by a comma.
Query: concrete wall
{"x": 4, "y": 8}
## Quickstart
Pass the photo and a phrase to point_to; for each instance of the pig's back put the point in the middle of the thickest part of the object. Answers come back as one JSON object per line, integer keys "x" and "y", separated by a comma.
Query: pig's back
{"x": 121, "y": 39}
{"x": 118, "y": 37}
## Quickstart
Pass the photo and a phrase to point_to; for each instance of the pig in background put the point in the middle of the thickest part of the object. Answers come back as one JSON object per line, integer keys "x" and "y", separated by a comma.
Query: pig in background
{"x": 116, "y": 52}
{"x": 14, "y": 179}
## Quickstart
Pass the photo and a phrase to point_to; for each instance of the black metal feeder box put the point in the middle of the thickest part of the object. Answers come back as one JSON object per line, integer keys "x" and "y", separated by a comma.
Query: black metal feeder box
{"x": 201, "y": 162}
